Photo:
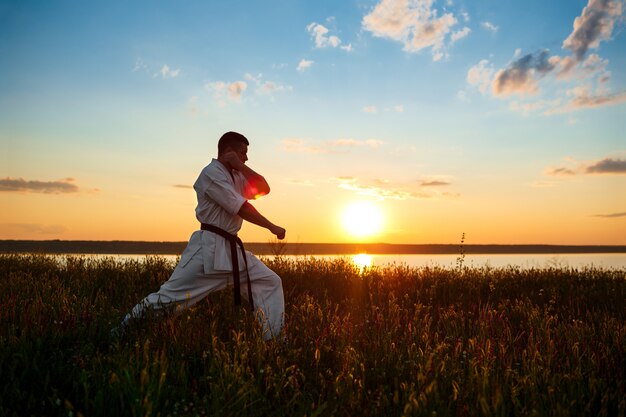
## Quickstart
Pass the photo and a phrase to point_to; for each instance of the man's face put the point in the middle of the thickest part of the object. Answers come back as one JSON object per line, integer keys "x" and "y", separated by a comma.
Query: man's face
{"x": 242, "y": 152}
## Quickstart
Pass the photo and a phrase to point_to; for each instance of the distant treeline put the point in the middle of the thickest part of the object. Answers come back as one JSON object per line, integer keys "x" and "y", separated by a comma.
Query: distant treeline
{"x": 274, "y": 248}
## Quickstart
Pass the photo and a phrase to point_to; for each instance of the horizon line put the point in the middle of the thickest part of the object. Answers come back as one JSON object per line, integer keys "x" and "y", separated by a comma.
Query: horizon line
{"x": 286, "y": 248}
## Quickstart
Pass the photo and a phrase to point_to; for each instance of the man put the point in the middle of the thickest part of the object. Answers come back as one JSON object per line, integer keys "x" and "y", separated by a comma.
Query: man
{"x": 223, "y": 190}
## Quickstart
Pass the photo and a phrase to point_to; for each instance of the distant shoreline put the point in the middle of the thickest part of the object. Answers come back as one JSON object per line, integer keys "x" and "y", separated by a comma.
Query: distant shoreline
{"x": 176, "y": 248}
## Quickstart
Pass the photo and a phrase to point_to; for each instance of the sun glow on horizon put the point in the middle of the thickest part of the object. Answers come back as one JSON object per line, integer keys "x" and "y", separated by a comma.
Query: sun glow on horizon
{"x": 362, "y": 260}
{"x": 362, "y": 219}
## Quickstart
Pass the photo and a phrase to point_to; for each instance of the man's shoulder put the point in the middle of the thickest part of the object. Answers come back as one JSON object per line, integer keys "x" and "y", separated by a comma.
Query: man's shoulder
{"x": 210, "y": 173}
{"x": 214, "y": 170}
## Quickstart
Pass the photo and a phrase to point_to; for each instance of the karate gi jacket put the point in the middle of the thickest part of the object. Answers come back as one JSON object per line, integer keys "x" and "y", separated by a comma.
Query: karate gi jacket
{"x": 220, "y": 197}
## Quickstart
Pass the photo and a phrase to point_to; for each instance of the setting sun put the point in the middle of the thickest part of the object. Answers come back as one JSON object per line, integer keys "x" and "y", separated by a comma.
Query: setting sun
{"x": 362, "y": 260}
{"x": 362, "y": 219}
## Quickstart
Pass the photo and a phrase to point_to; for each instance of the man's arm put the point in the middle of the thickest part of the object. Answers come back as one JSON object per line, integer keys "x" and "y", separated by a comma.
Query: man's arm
{"x": 249, "y": 213}
{"x": 256, "y": 181}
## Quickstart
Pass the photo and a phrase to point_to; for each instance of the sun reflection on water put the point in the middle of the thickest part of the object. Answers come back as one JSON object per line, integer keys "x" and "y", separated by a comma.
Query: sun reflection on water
{"x": 362, "y": 260}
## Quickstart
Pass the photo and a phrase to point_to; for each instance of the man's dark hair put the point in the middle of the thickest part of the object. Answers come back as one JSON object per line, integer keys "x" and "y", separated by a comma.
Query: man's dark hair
{"x": 230, "y": 140}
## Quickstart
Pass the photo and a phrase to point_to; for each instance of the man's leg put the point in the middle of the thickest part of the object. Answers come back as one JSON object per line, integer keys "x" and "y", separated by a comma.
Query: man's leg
{"x": 187, "y": 285}
{"x": 267, "y": 294}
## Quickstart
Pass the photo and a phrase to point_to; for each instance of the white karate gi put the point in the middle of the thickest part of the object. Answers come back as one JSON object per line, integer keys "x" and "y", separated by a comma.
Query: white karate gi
{"x": 206, "y": 265}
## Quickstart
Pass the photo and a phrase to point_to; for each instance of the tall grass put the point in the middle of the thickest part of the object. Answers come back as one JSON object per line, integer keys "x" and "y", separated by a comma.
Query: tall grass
{"x": 393, "y": 341}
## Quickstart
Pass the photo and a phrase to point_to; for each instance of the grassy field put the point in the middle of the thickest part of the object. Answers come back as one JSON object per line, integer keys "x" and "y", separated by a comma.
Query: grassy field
{"x": 393, "y": 341}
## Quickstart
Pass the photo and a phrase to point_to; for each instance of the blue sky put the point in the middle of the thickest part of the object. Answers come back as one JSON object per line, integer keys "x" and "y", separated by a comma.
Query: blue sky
{"x": 455, "y": 113}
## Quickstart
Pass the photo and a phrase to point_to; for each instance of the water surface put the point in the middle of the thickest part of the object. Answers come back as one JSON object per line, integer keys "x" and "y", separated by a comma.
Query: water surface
{"x": 526, "y": 261}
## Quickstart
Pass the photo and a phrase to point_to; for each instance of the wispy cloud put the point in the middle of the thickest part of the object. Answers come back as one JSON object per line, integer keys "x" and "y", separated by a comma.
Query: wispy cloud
{"x": 434, "y": 183}
{"x": 140, "y": 65}
{"x": 398, "y": 108}
{"x": 480, "y": 75}
{"x": 561, "y": 171}
{"x": 583, "y": 98}
{"x": 319, "y": 33}
{"x": 304, "y": 64}
{"x": 414, "y": 23}
{"x": 370, "y": 109}
{"x": 489, "y": 26}
{"x": 304, "y": 183}
{"x": 523, "y": 76}
{"x": 266, "y": 87}
{"x": 594, "y": 25}
{"x": 298, "y": 145}
{"x": 301, "y": 146}
{"x": 21, "y": 185}
{"x": 167, "y": 72}
{"x": 225, "y": 92}
{"x": 529, "y": 107}
{"x": 383, "y": 189}
{"x": 156, "y": 70}
{"x": 459, "y": 34}
{"x": 13, "y": 229}
{"x": 611, "y": 215}
{"x": 608, "y": 166}
{"x": 323, "y": 39}
{"x": 380, "y": 190}
{"x": 182, "y": 186}
{"x": 233, "y": 91}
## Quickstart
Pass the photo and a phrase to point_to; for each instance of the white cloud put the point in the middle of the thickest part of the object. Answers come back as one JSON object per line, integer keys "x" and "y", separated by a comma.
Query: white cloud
{"x": 236, "y": 89}
{"x": 139, "y": 65}
{"x": 584, "y": 75}
{"x": 489, "y": 26}
{"x": 414, "y": 23}
{"x": 164, "y": 72}
{"x": 399, "y": 108}
{"x": 370, "y": 109}
{"x": 462, "y": 95}
{"x": 583, "y": 97}
{"x": 266, "y": 87}
{"x": 527, "y": 107}
{"x": 383, "y": 189}
{"x": 568, "y": 68}
{"x": 594, "y": 25}
{"x": 233, "y": 90}
{"x": 460, "y": 34}
{"x": 167, "y": 72}
{"x": 304, "y": 64}
{"x": 322, "y": 39}
{"x": 480, "y": 75}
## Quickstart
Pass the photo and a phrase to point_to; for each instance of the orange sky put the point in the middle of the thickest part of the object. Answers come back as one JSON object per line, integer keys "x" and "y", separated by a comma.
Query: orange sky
{"x": 482, "y": 127}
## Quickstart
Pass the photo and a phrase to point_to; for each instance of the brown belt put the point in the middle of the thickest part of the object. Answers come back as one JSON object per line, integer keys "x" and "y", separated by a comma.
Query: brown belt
{"x": 234, "y": 241}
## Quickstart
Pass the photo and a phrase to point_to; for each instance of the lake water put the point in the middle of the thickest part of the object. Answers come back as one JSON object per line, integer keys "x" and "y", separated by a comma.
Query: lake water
{"x": 599, "y": 260}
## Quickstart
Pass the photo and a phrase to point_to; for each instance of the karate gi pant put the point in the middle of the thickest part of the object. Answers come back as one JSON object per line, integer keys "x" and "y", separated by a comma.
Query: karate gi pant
{"x": 189, "y": 284}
